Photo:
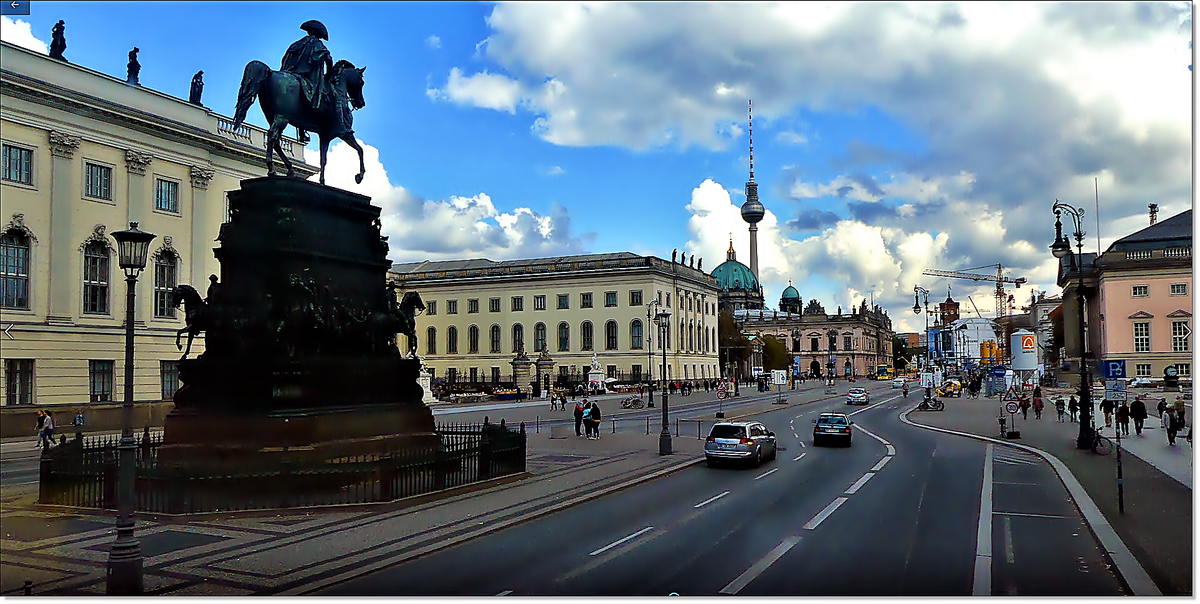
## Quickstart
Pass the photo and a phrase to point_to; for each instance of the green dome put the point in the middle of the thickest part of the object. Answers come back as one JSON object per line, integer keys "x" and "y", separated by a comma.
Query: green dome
{"x": 791, "y": 293}
{"x": 732, "y": 275}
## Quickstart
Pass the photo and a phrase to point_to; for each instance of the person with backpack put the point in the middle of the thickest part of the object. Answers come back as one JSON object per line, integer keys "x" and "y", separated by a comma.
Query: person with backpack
{"x": 1073, "y": 408}
{"x": 1106, "y": 407}
{"x": 1162, "y": 413}
{"x": 1061, "y": 407}
{"x": 1137, "y": 412}
{"x": 1173, "y": 425}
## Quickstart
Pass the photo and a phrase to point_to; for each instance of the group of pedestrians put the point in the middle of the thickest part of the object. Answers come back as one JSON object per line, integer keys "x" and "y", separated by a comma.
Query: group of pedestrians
{"x": 587, "y": 415}
{"x": 45, "y": 429}
{"x": 1172, "y": 417}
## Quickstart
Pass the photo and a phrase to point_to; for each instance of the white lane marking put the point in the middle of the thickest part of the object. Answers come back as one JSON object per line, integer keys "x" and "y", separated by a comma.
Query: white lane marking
{"x": 620, "y": 541}
{"x": 757, "y": 569}
{"x": 823, "y": 514}
{"x": 858, "y": 485}
{"x": 795, "y": 435}
{"x": 891, "y": 450}
{"x": 873, "y": 406}
{"x": 871, "y": 434}
{"x": 882, "y": 462}
{"x": 801, "y": 443}
{"x": 767, "y": 473}
{"x": 983, "y": 538}
{"x": 1026, "y": 515}
{"x": 710, "y": 500}
{"x": 1008, "y": 549}
{"x": 505, "y": 592}
{"x": 799, "y": 457}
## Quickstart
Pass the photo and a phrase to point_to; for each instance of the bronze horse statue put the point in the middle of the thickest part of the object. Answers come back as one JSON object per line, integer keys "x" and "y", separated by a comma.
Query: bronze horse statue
{"x": 195, "y": 315}
{"x": 406, "y": 311}
{"x": 282, "y": 102}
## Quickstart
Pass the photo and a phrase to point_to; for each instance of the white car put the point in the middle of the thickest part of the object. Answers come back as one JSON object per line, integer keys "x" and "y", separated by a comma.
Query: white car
{"x": 898, "y": 382}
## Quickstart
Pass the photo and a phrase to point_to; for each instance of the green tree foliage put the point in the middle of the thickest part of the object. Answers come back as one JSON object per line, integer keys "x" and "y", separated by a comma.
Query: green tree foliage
{"x": 775, "y": 354}
{"x": 735, "y": 348}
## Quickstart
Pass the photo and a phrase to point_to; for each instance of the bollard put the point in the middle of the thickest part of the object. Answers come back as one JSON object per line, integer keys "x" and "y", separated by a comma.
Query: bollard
{"x": 537, "y": 424}
{"x": 614, "y": 421}
{"x": 697, "y": 429}
{"x": 27, "y": 589}
{"x": 647, "y": 426}
{"x": 677, "y": 427}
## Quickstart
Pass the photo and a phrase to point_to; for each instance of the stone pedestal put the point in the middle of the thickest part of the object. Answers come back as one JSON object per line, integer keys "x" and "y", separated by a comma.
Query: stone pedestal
{"x": 522, "y": 373}
{"x": 426, "y": 383}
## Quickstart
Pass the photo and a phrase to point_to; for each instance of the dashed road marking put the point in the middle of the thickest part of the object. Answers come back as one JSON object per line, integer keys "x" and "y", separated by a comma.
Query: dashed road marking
{"x": 858, "y": 485}
{"x": 874, "y": 435}
{"x": 505, "y": 592}
{"x": 891, "y": 450}
{"x": 982, "y": 585}
{"x": 757, "y": 569}
{"x": 767, "y": 473}
{"x": 801, "y": 443}
{"x": 620, "y": 541}
{"x": 823, "y": 514}
{"x": 882, "y": 462}
{"x": 1027, "y": 515}
{"x": 710, "y": 500}
{"x": 799, "y": 457}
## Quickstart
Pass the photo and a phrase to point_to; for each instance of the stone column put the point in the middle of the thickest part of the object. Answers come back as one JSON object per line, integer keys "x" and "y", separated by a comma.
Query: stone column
{"x": 64, "y": 193}
{"x": 137, "y": 208}
{"x": 522, "y": 368}
{"x": 545, "y": 366}
{"x": 202, "y": 235}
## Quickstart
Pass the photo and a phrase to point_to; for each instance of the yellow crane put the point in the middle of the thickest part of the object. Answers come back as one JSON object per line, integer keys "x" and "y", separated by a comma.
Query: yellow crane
{"x": 1003, "y": 301}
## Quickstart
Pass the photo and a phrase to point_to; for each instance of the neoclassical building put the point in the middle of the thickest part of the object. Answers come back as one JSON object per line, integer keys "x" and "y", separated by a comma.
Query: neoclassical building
{"x": 854, "y": 343}
{"x": 739, "y": 287}
{"x": 480, "y": 313}
{"x": 84, "y": 154}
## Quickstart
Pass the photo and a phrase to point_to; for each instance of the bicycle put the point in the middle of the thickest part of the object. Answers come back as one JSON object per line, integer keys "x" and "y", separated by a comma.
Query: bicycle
{"x": 1101, "y": 445}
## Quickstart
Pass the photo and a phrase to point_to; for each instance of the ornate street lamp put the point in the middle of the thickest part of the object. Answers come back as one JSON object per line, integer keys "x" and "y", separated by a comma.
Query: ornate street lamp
{"x": 1061, "y": 248}
{"x": 919, "y": 294}
{"x": 663, "y": 320}
{"x": 125, "y": 556}
{"x": 651, "y": 311}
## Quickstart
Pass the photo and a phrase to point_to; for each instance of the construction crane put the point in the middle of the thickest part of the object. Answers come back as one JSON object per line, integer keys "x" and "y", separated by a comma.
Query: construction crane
{"x": 1003, "y": 301}
{"x": 977, "y": 313}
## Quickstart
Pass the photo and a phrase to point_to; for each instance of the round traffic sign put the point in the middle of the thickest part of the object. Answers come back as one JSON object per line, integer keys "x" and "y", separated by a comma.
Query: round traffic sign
{"x": 1011, "y": 407}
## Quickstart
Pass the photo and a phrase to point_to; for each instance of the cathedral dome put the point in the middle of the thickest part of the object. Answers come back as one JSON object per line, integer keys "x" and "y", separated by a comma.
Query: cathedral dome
{"x": 733, "y": 276}
{"x": 790, "y": 293}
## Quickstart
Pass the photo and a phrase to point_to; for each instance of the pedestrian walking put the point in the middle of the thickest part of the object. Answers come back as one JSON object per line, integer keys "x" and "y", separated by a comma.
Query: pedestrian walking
{"x": 1038, "y": 405}
{"x": 1137, "y": 412}
{"x": 1106, "y": 406}
{"x": 45, "y": 429}
{"x": 1061, "y": 407}
{"x": 1179, "y": 412}
{"x": 1073, "y": 408}
{"x": 1123, "y": 418}
{"x": 1172, "y": 426}
{"x": 579, "y": 415}
{"x": 1162, "y": 413}
{"x": 1025, "y": 408}
{"x": 595, "y": 421}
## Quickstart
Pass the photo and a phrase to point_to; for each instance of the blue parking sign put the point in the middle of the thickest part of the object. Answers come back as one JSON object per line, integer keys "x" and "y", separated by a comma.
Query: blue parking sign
{"x": 1114, "y": 369}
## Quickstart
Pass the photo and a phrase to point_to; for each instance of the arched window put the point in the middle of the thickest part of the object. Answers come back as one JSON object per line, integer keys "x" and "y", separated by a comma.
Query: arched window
{"x": 705, "y": 340}
{"x": 539, "y": 337}
{"x": 165, "y": 266}
{"x": 472, "y": 340}
{"x": 14, "y": 270}
{"x": 95, "y": 278}
{"x": 610, "y": 335}
{"x": 682, "y": 334}
{"x": 564, "y": 337}
{"x": 431, "y": 340}
{"x": 691, "y": 336}
{"x": 495, "y": 339}
{"x": 452, "y": 340}
{"x": 635, "y": 334}
{"x": 518, "y": 337}
{"x": 585, "y": 336}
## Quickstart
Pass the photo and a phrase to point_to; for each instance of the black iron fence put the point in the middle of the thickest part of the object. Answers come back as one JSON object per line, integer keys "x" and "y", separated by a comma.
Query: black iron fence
{"x": 83, "y": 473}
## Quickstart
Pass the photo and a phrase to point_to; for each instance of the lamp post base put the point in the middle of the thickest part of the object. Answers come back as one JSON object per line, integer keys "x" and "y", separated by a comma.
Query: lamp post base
{"x": 124, "y": 570}
{"x": 664, "y": 442}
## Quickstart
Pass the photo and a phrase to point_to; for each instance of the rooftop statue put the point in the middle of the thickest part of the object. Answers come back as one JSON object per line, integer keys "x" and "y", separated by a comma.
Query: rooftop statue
{"x": 58, "y": 42}
{"x": 134, "y": 67}
{"x": 310, "y": 92}
{"x": 197, "y": 88}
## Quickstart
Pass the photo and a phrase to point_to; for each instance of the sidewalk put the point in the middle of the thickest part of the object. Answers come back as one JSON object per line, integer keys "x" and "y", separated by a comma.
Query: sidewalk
{"x": 1157, "y": 523}
{"x": 292, "y": 552}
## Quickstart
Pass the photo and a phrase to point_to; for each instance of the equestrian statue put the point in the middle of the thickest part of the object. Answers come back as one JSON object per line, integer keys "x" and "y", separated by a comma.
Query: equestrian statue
{"x": 310, "y": 92}
{"x": 195, "y": 315}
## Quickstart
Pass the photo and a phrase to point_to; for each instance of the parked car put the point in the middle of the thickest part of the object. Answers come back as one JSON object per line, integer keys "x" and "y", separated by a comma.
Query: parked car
{"x": 898, "y": 382}
{"x": 857, "y": 396}
{"x": 832, "y": 426}
{"x": 739, "y": 441}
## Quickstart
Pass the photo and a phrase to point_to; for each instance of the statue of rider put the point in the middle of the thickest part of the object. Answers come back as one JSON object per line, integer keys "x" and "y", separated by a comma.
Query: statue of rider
{"x": 310, "y": 61}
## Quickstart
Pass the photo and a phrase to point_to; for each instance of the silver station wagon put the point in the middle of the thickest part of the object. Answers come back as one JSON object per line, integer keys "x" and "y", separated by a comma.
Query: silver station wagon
{"x": 739, "y": 441}
{"x": 831, "y": 426}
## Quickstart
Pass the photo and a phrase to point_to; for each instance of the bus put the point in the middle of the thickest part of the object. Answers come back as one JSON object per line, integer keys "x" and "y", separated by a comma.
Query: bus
{"x": 883, "y": 372}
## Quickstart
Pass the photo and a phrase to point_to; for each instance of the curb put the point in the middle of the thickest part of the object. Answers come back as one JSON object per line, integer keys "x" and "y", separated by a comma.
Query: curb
{"x": 365, "y": 570}
{"x": 1126, "y": 565}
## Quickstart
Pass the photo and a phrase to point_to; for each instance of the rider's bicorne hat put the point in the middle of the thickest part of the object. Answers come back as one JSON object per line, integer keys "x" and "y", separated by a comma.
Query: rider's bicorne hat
{"x": 316, "y": 28}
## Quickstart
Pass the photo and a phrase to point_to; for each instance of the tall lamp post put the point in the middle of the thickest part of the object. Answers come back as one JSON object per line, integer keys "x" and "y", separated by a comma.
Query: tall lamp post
{"x": 1061, "y": 249}
{"x": 920, "y": 293}
{"x": 663, "y": 320}
{"x": 832, "y": 365}
{"x": 125, "y": 556}
{"x": 651, "y": 311}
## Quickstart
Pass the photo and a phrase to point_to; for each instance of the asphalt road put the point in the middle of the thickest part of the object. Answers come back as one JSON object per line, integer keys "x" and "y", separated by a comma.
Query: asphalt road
{"x": 898, "y": 513}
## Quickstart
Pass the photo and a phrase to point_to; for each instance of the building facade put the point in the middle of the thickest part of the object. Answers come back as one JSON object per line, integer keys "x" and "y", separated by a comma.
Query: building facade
{"x": 85, "y": 154}
{"x": 481, "y": 313}
{"x": 851, "y": 345}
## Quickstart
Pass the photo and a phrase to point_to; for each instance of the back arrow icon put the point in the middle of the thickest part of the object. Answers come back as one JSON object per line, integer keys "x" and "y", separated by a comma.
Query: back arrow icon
{"x": 6, "y": 330}
{"x": 14, "y": 5}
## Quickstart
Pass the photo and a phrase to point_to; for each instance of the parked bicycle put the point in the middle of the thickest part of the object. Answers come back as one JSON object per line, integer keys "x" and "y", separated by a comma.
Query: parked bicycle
{"x": 931, "y": 405}
{"x": 1101, "y": 444}
{"x": 633, "y": 402}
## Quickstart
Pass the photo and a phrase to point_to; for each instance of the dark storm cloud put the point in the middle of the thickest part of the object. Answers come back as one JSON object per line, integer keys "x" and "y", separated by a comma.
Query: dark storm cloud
{"x": 867, "y": 183}
{"x": 813, "y": 220}
{"x": 844, "y": 190}
{"x": 872, "y": 212}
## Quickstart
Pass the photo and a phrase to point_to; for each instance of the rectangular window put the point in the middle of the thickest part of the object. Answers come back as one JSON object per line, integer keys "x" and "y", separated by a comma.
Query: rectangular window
{"x": 164, "y": 282}
{"x": 170, "y": 379}
{"x": 636, "y": 373}
{"x": 1181, "y": 335}
{"x": 14, "y": 270}
{"x": 495, "y": 338}
{"x": 18, "y": 381}
{"x": 612, "y": 371}
{"x": 585, "y": 300}
{"x": 814, "y": 344}
{"x": 635, "y": 297}
{"x": 166, "y": 195}
{"x": 97, "y": 181}
{"x": 494, "y": 305}
{"x": 18, "y": 164}
{"x": 474, "y": 374}
{"x": 95, "y": 279}
{"x": 1179, "y": 289}
{"x": 610, "y": 299}
{"x": 1142, "y": 370}
{"x": 539, "y": 302}
{"x": 1141, "y": 336}
{"x": 1184, "y": 369}
{"x": 518, "y": 303}
{"x": 227, "y": 214}
{"x": 495, "y": 375}
{"x": 452, "y": 307}
{"x": 846, "y": 345}
{"x": 431, "y": 307}
{"x": 564, "y": 301}
{"x": 472, "y": 306}
{"x": 100, "y": 381}
{"x": 1141, "y": 291}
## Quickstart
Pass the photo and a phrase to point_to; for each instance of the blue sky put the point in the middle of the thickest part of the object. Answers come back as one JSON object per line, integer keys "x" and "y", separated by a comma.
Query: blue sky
{"x": 888, "y": 139}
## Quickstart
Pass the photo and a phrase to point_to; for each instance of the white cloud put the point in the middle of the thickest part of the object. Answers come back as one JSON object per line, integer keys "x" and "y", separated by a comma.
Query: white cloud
{"x": 20, "y": 33}
{"x": 433, "y": 42}
{"x": 460, "y": 227}
{"x": 486, "y": 90}
{"x": 791, "y": 138}
{"x": 555, "y": 171}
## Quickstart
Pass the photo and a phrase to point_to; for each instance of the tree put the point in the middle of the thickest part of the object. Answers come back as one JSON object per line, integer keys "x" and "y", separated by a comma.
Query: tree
{"x": 734, "y": 347}
{"x": 775, "y": 354}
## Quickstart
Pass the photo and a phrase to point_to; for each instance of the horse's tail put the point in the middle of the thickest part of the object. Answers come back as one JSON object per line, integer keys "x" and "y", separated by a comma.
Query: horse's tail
{"x": 256, "y": 73}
